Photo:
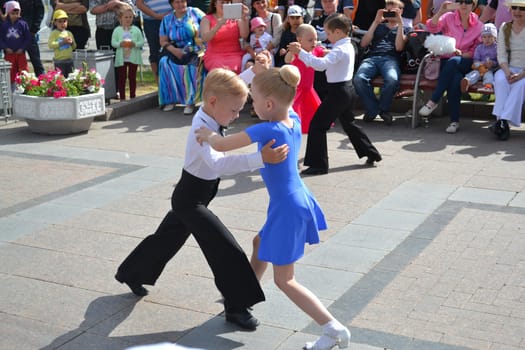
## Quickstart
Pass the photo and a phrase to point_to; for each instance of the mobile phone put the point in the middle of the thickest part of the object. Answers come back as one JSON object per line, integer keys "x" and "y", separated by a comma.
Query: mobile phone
{"x": 389, "y": 14}
{"x": 453, "y": 6}
{"x": 232, "y": 11}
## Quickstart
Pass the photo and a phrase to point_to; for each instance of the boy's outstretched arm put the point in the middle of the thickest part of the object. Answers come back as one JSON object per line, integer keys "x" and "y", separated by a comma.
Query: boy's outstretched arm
{"x": 239, "y": 140}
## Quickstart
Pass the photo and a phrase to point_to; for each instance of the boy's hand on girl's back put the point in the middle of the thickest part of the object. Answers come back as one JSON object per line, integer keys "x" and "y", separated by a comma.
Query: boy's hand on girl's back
{"x": 274, "y": 155}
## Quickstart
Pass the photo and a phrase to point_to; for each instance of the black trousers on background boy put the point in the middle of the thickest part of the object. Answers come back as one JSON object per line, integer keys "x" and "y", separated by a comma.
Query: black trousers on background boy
{"x": 234, "y": 276}
{"x": 337, "y": 104}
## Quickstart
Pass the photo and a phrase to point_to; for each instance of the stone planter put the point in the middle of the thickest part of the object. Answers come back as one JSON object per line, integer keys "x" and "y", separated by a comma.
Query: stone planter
{"x": 59, "y": 116}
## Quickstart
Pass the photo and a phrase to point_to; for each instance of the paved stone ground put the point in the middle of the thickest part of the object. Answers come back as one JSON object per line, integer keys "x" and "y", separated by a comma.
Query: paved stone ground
{"x": 424, "y": 251}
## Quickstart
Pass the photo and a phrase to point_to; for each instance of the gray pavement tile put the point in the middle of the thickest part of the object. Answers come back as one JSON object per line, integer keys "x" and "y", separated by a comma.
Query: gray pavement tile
{"x": 279, "y": 311}
{"x": 114, "y": 222}
{"x": 326, "y": 283}
{"x": 429, "y": 190}
{"x": 58, "y": 305}
{"x": 410, "y": 202}
{"x": 89, "y": 198}
{"x": 335, "y": 256}
{"x": 12, "y": 227}
{"x": 33, "y": 334}
{"x": 178, "y": 290}
{"x": 87, "y": 340}
{"x": 217, "y": 334}
{"x": 147, "y": 322}
{"x": 484, "y": 196}
{"x": 50, "y": 213}
{"x": 394, "y": 219}
{"x": 518, "y": 200}
{"x": 369, "y": 237}
{"x": 78, "y": 242}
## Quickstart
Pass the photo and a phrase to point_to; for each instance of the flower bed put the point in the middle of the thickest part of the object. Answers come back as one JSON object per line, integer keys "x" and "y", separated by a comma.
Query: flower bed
{"x": 53, "y": 104}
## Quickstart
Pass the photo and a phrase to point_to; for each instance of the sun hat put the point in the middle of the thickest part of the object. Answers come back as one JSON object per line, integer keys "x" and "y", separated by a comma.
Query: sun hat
{"x": 11, "y": 5}
{"x": 256, "y": 22}
{"x": 58, "y": 14}
{"x": 489, "y": 28}
{"x": 295, "y": 10}
{"x": 515, "y": 3}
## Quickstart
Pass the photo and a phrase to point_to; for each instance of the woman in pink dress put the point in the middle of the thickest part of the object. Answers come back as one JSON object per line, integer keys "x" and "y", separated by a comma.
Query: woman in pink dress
{"x": 306, "y": 99}
{"x": 223, "y": 37}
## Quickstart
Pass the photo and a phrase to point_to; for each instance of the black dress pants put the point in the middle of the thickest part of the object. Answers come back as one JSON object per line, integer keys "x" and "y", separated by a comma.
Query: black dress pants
{"x": 234, "y": 276}
{"x": 337, "y": 104}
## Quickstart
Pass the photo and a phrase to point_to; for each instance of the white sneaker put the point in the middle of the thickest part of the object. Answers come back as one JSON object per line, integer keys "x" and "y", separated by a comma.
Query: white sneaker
{"x": 188, "y": 109}
{"x": 453, "y": 127}
{"x": 427, "y": 109}
{"x": 168, "y": 107}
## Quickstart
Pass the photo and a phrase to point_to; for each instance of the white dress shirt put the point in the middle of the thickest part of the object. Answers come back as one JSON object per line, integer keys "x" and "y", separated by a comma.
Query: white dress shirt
{"x": 338, "y": 63}
{"x": 206, "y": 163}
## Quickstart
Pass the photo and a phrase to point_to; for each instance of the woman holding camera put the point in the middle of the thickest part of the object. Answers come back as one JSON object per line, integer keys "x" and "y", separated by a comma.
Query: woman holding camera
{"x": 463, "y": 25}
{"x": 224, "y": 37}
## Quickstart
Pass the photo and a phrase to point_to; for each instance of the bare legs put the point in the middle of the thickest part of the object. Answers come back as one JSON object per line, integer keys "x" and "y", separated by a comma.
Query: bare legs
{"x": 334, "y": 333}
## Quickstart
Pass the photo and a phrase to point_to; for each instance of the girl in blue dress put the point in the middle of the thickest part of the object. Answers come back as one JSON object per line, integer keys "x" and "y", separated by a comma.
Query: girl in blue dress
{"x": 294, "y": 216}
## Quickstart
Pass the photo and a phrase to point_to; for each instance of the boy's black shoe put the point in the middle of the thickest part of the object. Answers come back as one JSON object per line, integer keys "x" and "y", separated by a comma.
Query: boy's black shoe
{"x": 243, "y": 319}
{"x": 371, "y": 159}
{"x": 314, "y": 171}
{"x": 136, "y": 288}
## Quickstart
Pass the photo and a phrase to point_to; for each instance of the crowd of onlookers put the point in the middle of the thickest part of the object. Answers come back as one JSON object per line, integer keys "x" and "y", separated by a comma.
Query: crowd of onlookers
{"x": 187, "y": 39}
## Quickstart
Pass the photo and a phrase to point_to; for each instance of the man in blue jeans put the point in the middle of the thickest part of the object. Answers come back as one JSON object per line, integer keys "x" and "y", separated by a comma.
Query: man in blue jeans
{"x": 386, "y": 38}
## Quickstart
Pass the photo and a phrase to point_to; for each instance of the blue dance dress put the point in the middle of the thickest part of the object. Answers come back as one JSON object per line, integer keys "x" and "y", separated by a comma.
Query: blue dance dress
{"x": 294, "y": 216}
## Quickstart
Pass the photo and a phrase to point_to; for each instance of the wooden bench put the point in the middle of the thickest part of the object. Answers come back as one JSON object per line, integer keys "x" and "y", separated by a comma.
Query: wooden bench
{"x": 415, "y": 85}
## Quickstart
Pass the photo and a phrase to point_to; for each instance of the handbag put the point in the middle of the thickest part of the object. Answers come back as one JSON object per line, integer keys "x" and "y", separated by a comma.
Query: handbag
{"x": 414, "y": 51}
{"x": 431, "y": 68}
{"x": 190, "y": 57}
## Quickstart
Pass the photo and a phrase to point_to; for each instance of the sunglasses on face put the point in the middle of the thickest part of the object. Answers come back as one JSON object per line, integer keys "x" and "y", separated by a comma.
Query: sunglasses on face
{"x": 466, "y": 2}
{"x": 521, "y": 8}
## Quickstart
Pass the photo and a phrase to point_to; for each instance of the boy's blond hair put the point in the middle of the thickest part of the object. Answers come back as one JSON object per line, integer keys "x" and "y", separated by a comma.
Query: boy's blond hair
{"x": 303, "y": 29}
{"x": 280, "y": 83}
{"x": 223, "y": 82}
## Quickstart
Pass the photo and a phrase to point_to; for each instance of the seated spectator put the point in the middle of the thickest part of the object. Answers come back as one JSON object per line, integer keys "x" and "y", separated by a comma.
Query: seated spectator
{"x": 284, "y": 5}
{"x": 178, "y": 71}
{"x": 345, "y": 7}
{"x": 485, "y": 61}
{"x": 259, "y": 40}
{"x": 273, "y": 21}
{"x": 293, "y": 20}
{"x": 386, "y": 37}
{"x": 509, "y": 83}
{"x": 463, "y": 25}
{"x": 366, "y": 12}
{"x": 222, "y": 37}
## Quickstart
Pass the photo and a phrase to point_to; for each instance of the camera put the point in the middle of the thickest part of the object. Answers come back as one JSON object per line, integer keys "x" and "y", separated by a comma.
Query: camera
{"x": 389, "y": 14}
{"x": 232, "y": 11}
